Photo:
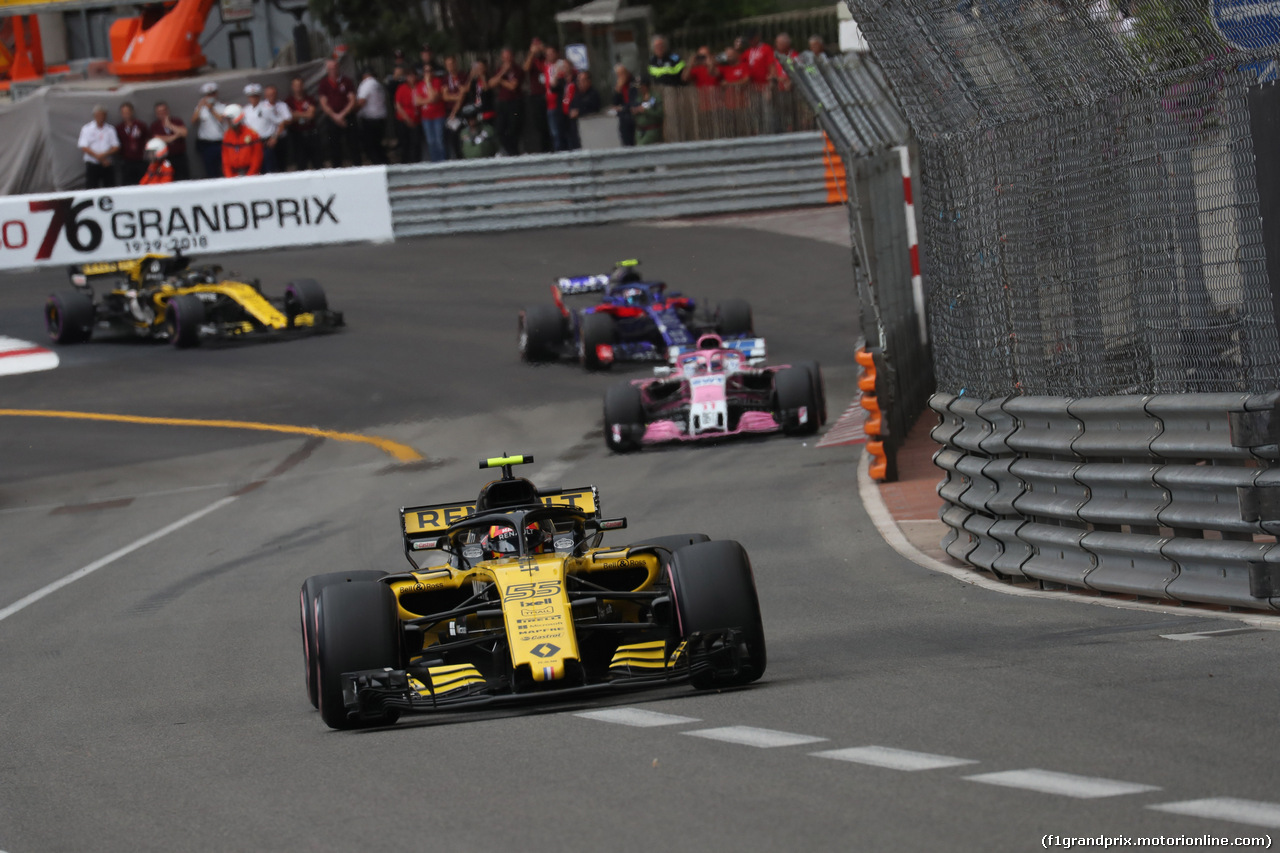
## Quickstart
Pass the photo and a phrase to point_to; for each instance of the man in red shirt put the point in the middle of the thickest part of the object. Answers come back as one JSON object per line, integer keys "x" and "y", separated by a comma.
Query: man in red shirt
{"x": 507, "y": 85}
{"x": 705, "y": 76}
{"x": 303, "y": 142}
{"x": 133, "y": 140}
{"x": 538, "y": 139}
{"x": 759, "y": 59}
{"x": 173, "y": 133}
{"x": 782, "y": 50}
{"x": 408, "y": 119}
{"x": 337, "y": 99}
{"x": 734, "y": 78}
{"x": 433, "y": 112}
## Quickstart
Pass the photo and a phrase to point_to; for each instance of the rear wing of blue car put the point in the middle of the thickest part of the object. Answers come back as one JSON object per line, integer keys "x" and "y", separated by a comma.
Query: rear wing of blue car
{"x": 582, "y": 284}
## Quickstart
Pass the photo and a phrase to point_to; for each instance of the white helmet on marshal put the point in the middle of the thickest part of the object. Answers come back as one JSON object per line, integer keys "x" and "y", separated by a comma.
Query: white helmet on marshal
{"x": 234, "y": 113}
{"x": 157, "y": 149}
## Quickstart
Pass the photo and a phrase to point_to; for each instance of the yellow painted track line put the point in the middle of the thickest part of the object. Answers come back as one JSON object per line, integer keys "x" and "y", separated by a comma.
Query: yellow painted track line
{"x": 394, "y": 449}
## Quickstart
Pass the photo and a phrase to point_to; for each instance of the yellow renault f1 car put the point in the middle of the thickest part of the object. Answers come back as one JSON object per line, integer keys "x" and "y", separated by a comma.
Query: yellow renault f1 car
{"x": 164, "y": 297}
{"x": 527, "y": 605}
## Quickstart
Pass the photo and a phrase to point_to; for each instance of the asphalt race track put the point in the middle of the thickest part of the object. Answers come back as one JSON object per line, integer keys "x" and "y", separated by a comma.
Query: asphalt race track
{"x": 157, "y": 702}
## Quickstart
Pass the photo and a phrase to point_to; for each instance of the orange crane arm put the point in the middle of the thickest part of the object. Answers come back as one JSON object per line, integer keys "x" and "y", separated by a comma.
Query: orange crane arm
{"x": 168, "y": 48}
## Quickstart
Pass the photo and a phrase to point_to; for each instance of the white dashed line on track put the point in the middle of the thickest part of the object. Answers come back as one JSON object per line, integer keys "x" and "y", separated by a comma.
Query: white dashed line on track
{"x": 1226, "y": 808}
{"x": 893, "y": 759}
{"x": 1209, "y": 635}
{"x": 27, "y": 601}
{"x": 1063, "y": 784}
{"x": 637, "y": 717}
{"x": 750, "y": 736}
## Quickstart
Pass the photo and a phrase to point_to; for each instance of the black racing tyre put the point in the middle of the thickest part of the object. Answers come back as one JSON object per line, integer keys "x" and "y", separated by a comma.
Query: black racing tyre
{"x": 734, "y": 318}
{"x": 183, "y": 317}
{"x": 671, "y": 543}
{"x": 307, "y": 604}
{"x": 356, "y": 628}
{"x": 715, "y": 593}
{"x": 623, "y": 418}
{"x": 69, "y": 317}
{"x": 541, "y": 330}
{"x": 796, "y": 408}
{"x": 597, "y": 330}
{"x": 819, "y": 387}
{"x": 304, "y": 296}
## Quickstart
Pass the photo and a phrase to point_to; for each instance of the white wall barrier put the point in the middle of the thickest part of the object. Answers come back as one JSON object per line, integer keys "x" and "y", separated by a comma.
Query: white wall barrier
{"x": 205, "y": 217}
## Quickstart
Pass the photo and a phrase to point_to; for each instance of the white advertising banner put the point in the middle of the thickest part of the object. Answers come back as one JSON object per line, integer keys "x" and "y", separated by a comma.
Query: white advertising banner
{"x": 209, "y": 217}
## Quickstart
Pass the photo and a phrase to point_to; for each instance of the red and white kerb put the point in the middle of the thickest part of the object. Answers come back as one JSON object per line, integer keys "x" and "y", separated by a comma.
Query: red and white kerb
{"x": 917, "y": 283}
{"x": 18, "y": 356}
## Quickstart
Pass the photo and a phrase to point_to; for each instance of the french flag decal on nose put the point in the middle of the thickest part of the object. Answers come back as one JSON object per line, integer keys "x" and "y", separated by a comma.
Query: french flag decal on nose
{"x": 549, "y": 673}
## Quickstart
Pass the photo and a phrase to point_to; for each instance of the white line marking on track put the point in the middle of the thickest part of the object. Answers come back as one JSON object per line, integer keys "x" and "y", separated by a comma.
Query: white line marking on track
{"x": 1063, "y": 784}
{"x": 1227, "y": 808}
{"x": 751, "y": 736}
{"x": 28, "y": 600}
{"x": 638, "y": 717}
{"x": 893, "y": 759}
{"x": 1209, "y": 635}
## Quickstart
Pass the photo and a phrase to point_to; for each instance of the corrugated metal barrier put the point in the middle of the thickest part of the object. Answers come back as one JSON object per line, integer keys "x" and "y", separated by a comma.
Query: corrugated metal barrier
{"x": 1164, "y": 496}
{"x": 593, "y": 187}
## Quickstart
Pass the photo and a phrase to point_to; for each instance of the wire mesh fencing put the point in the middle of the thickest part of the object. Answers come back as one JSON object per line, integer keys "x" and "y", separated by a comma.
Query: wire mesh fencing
{"x": 1090, "y": 211}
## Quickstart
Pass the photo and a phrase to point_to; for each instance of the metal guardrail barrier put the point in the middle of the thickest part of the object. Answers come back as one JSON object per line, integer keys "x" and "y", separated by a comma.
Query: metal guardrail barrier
{"x": 593, "y": 187}
{"x": 1166, "y": 496}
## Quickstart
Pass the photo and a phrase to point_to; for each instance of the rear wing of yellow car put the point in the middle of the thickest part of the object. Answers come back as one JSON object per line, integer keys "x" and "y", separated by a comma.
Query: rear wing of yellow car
{"x": 422, "y": 525}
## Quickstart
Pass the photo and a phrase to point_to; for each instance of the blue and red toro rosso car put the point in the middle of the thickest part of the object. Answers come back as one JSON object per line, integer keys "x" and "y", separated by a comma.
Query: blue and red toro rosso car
{"x": 637, "y": 320}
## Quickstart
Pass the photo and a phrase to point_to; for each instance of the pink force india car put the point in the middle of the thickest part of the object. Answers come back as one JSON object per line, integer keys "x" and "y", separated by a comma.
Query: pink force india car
{"x": 712, "y": 391}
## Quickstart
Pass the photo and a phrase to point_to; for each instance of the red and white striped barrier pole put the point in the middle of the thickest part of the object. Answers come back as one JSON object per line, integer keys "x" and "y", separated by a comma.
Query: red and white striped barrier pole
{"x": 917, "y": 283}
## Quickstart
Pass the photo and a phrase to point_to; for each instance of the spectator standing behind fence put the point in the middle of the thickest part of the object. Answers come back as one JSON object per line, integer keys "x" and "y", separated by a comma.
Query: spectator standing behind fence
{"x": 625, "y": 96}
{"x": 649, "y": 114}
{"x": 371, "y": 110}
{"x": 432, "y": 112}
{"x": 337, "y": 100}
{"x": 781, "y": 52}
{"x": 585, "y": 101}
{"x": 538, "y": 139}
{"x": 210, "y": 126}
{"x": 507, "y": 86}
{"x": 159, "y": 170}
{"x": 261, "y": 119}
{"x": 734, "y": 78}
{"x": 173, "y": 133}
{"x": 704, "y": 74}
{"x": 408, "y": 123}
{"x": 666, "y": 68}
{"x": 304, "y": 145}
{"x": 241, "y": 146}
{"x": 455, "y": 92}
{"x": 283, "y": 116}
{"x": 99, "y": 142}
{"x": 553, "y": 84}
{"x": 477, "y": 137}
{"x": 479, "y": 93}
{"x": 759, "y": 59}
{"x": 133, "y": 136}
{"x": 817, "y": 47}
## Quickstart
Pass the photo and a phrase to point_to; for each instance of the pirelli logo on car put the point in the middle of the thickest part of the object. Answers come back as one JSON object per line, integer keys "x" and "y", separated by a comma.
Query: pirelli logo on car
{"x": 433, "y": 519}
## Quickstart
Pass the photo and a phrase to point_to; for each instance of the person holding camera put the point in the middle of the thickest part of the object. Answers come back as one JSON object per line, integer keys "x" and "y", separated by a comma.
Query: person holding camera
{"x": 478, "y": 138}
{"x": 210, "y": 126}
{"x": 538, "y": 139}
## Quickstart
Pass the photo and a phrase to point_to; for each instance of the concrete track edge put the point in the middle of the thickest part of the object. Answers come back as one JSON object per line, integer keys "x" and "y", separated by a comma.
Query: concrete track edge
{"x": 888, "y": 528}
